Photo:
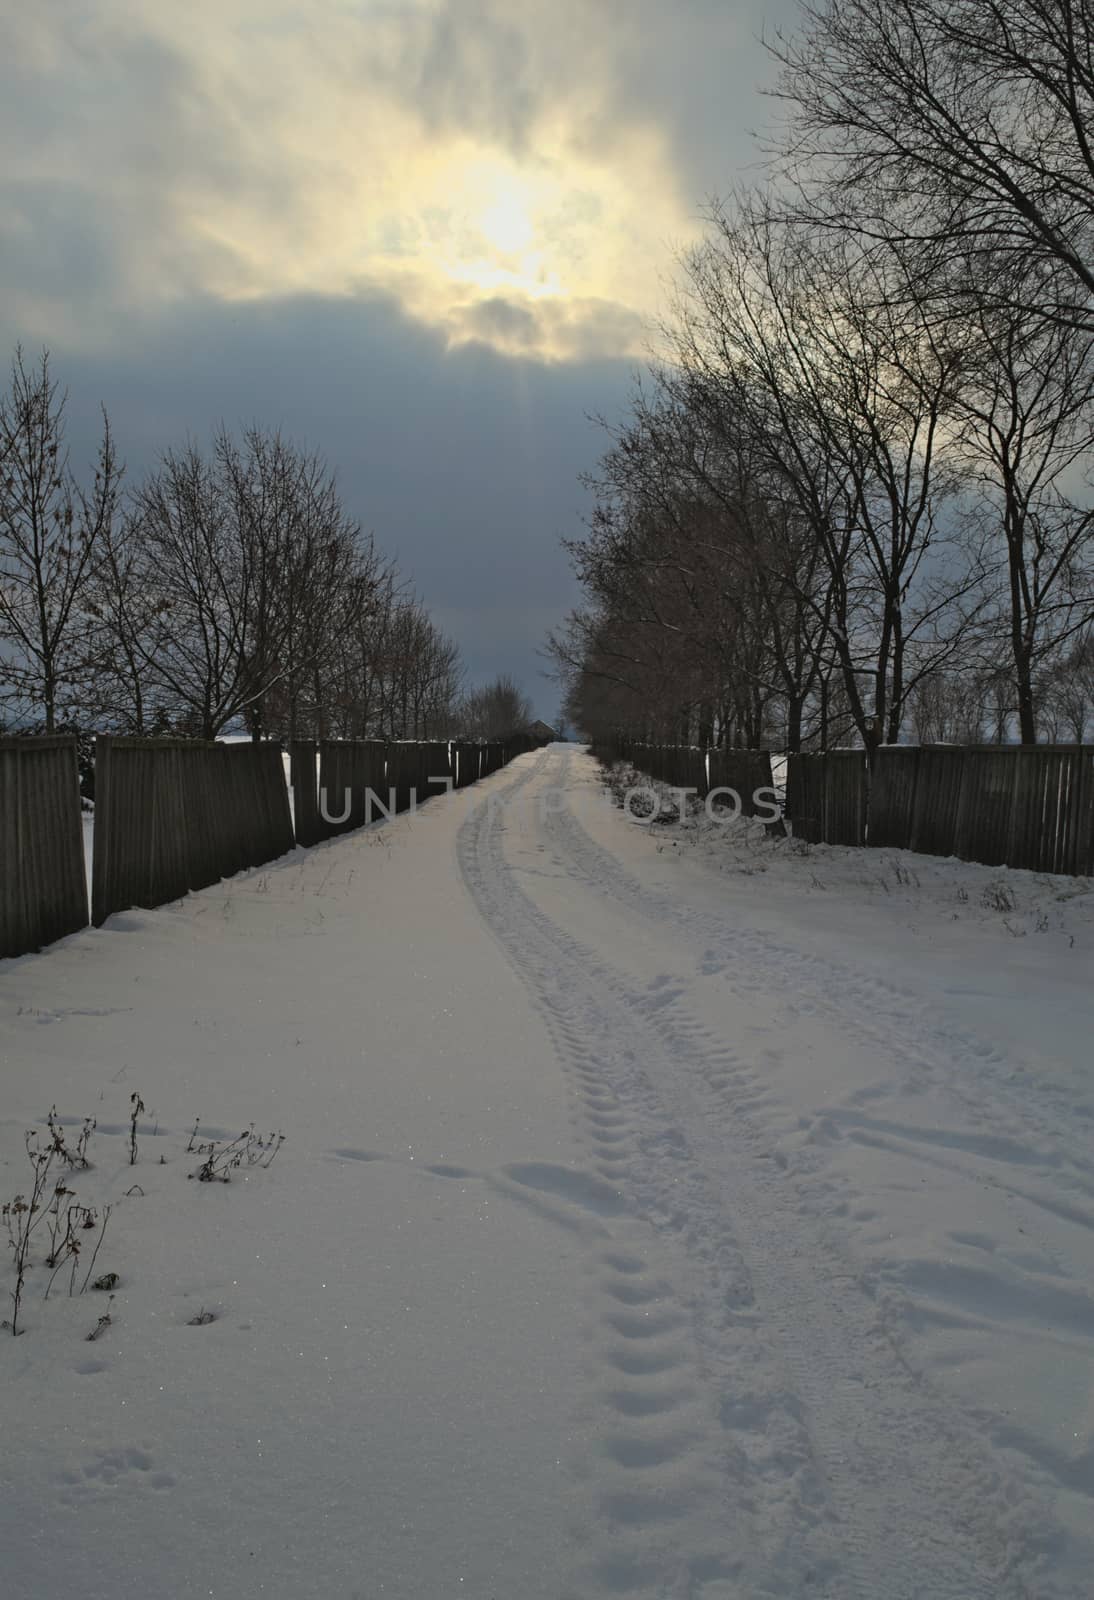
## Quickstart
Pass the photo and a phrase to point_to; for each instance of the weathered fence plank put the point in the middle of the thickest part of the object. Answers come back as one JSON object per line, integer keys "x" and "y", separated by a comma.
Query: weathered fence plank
{"x": 892, "y": 796}
{"x": 43, "y": 882}
{"x": 174, "y": 815}
{"x": 304, "y": 778}
{"x": 745, "y": 772}
{"x": 826, "y": 797}
{"x": 937, "y": 800}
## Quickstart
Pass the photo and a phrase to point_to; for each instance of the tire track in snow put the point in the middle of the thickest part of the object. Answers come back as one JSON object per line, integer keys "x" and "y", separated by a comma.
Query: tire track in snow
{"x": 675, "y": 1506}
{"x": 1028, "y": 1142}
{"x": 1021, "y": 1115}
{"x": 839, "y": 1475}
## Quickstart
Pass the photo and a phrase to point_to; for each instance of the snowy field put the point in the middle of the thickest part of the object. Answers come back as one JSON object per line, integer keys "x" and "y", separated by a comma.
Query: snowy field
{"x": 664, "y": 1211}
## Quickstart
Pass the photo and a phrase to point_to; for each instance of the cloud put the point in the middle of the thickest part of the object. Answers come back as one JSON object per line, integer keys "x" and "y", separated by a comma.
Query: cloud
{"x": 452, "y": 153}
{"x": 463, "y": 462}
{"x": 503, "y": 322}
{"x": 569, "y": 330}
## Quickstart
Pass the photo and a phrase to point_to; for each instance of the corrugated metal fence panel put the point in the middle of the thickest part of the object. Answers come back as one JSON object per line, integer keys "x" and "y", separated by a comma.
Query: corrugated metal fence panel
{"x": 203, "y": 796}
{"x": 368, "y": 779}
{"x": 474, "y": 761}
{"x": 1045, "y": 823}
{"x": 1084, "y": 807}
{"x": 679, "y": 766}
{"x": 369, "y": 772}
{"x": 693, "y": 770}
{"x": 797, "y": 799}
{"x": 1041, "y": 795}
{"x": 43, "y": 883}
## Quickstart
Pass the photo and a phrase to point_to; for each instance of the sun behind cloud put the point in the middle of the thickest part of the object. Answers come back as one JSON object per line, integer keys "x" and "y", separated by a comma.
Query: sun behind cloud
{"x": 327, "y": 151}
{"x": 506, "y": 222}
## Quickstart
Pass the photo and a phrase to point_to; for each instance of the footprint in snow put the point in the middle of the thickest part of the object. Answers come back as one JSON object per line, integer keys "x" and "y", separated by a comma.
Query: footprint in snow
{"x": 566, "y": 1183}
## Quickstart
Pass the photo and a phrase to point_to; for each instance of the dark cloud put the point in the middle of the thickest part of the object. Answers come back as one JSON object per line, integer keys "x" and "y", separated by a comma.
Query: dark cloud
{"x": 464, "y": 463}
{"x": 578, "y": 329}
{"x": 507, "y": 322}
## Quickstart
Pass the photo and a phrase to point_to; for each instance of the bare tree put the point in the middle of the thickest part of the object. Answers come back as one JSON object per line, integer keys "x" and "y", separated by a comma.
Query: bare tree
{"x": 1025, "y": 433}
{"x": 51, "y": 531}
{"x": 838, "y": 382}
{"x": 498, "y": 710}
{"x": 1067, "y": 690}
{"x": 927, "y": 122}
{"x": 228, "y": 589}
{"x": 200, "y": 579}
{"x": 122, "y": 616}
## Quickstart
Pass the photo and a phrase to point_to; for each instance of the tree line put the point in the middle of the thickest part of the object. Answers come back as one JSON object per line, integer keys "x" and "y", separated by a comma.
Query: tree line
{"x": 229, "y": 589}
{"x": 851, "y": 501}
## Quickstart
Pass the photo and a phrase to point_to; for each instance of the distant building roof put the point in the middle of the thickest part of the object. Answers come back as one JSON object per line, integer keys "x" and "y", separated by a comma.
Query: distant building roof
{"x": 540, "y": 730}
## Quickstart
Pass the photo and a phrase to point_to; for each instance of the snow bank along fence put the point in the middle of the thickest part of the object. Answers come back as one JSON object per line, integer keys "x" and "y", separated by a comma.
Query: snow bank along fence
{"x": 687, "y": 767}
{"x": 43, "y": 888}
{"x": 1026, "y": 806}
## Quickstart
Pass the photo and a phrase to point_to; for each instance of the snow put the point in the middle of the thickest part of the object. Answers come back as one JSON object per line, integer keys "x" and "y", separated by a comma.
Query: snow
{"x": 664, "y": 1211}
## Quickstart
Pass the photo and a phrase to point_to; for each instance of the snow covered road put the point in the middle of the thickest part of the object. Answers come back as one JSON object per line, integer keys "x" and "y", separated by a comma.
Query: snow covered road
{"x": 641, "y": 1229}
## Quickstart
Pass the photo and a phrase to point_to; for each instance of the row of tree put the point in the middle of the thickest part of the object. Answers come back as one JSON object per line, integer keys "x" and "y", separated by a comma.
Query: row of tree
{"x": 229, "y": 589}
{"x": 853, "y": 499}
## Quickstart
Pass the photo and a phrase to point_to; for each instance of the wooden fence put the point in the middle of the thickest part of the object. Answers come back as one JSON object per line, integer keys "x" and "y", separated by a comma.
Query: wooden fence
{"x": 43, "y": 881}
{"x": 342, "y": 784}
{"x": 470, "y": 762}
{"x": 175, "y": 815}
{"x": 746, "y": 772}
{"x": 1029, "y": 806}
{"x": 826, "y": 797}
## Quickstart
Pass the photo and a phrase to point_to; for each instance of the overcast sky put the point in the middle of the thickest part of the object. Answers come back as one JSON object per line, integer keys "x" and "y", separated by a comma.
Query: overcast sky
{"x": 427, "y": 236}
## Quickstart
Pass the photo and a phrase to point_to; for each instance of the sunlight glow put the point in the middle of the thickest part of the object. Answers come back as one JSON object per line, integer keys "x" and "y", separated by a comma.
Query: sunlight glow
{"x": 507, "y": 225}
